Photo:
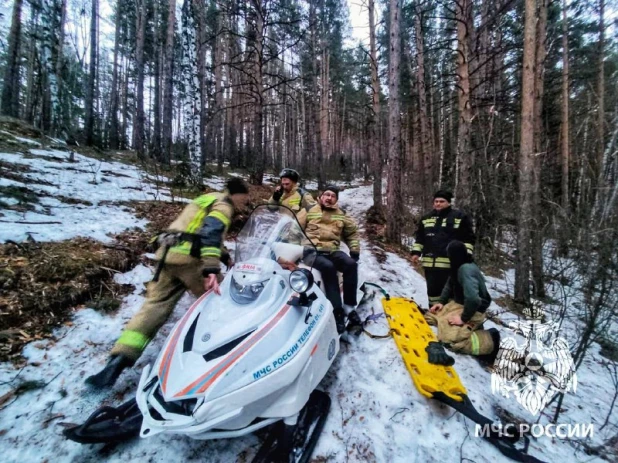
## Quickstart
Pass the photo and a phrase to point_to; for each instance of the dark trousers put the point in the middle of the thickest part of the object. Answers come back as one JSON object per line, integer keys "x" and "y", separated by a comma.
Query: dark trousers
{"x": 436, "y": 279}
{"x": 329, "y": 265}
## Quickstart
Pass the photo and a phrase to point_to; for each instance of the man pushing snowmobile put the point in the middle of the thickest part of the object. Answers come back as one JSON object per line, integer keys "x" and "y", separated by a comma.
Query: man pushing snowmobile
{"x": 189, "y": 255}
{"x": 243, "y": 360}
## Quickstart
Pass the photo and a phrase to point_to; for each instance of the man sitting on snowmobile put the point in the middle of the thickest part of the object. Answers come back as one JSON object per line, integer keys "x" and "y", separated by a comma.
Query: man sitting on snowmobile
{"x": 194, "y": 241}
{"x": 460, "y": 321}
{"x": 326, "y": 225}
{"x": 289, "y": 194}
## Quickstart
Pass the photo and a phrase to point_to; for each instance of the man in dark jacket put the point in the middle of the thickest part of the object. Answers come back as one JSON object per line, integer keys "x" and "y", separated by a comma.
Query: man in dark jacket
{"x": 460, "y": 321}
{"x": 435, "y": 231}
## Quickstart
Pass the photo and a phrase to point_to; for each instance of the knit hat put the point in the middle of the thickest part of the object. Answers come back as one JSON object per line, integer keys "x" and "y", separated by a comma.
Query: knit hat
{"x": 444, "y": 194}
{"x": 236, "y": 186}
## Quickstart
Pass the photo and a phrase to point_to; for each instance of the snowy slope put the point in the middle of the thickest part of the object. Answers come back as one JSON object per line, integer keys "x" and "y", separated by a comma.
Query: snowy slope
{"x": 91, "y": 184}
{"x": 377, "y": 415}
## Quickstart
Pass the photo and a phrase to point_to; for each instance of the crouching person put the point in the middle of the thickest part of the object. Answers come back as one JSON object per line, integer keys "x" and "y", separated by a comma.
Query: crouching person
{"x": 326, "y": 225}
{"x": 460, "y": 321}
{"x": 189, "y": 258}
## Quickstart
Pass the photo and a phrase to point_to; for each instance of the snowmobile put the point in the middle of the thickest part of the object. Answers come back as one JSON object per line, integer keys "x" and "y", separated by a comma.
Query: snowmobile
{"x": 249, "y": 358}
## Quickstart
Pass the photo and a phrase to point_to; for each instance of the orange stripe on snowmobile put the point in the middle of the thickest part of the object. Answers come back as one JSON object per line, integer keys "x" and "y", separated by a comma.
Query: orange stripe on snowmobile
{"x": 204, "y": 382}
{"x": 169, "y": 352}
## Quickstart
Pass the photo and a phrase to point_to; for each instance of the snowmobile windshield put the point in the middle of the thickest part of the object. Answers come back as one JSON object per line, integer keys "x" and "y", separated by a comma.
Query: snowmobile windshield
{"x": 273, "y": 232}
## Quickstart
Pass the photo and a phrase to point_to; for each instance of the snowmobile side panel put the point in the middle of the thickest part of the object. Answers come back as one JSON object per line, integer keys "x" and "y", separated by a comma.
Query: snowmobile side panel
{"x": 412, "y": 334}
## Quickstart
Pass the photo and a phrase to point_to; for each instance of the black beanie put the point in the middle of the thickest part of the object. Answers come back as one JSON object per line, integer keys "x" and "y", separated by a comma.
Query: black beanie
{"x": 444, "y": 194}
{"x": 236, "y": 186}
{"x": 458, "y": 255}
{"x": 332, "y": 188}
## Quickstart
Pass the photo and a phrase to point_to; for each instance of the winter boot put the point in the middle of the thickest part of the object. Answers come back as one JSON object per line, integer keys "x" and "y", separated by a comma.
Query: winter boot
{"x": 488, "y": 360}
{"x": 108, "y": 375}
{"x": 355, "y": 325}
{"x": 437, "y": 354}
{"x": 339, "y": 319}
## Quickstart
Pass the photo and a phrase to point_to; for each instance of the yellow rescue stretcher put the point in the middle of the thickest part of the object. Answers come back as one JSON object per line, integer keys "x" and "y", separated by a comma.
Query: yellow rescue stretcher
{"x": 412, "y": 334}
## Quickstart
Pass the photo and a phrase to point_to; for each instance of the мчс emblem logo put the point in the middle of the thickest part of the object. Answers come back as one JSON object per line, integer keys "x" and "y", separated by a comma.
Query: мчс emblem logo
{"x": 537, "y": 370}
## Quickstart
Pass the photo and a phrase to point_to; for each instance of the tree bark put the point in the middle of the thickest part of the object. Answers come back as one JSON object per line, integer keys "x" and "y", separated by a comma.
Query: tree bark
{"x": 259, "y": 161}
{"x": 425, "y": 145}
{"x": 598, "y": 174}
{"x": 168, "y": 89}
{"x": 565, "y": 136}
{"x": 138, "y": 123}
{"x": 526, "y": 158}
{"x": 92, "y": 69}
{"x": 539, "y": 151}
{"x": 395, "y": 200}
{"x": 465, "y": 159}
{"x": 114, "y": 125}
{"x": 10, "y": 89}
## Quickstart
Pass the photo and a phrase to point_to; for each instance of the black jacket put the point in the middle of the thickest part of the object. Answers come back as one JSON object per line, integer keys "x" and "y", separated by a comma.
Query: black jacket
{"x": 436, "y": 230}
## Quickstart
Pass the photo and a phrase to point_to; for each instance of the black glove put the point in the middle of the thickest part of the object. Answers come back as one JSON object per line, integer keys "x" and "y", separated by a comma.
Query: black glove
{"x": 226, "y": 258}
{"x": 278, "y": 194}
{"x": 208, "y": 270}
{"x": 355, "y": 255}
{"x": 437, "y": 354}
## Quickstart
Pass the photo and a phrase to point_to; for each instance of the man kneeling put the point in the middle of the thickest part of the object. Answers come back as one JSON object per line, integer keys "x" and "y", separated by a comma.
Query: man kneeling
{"x": 460, "y": 321}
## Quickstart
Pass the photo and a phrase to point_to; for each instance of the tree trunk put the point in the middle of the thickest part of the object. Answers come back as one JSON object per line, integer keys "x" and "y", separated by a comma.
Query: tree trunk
{"x": 259, "y": 155}
{"x": 218, "y": 113}
{"x": 539, "y": 151}
{"x": 92, "y": 68}
{"x": 425, "y": 145}
{"x": 565, "y": 136}
{"x": 191, "y": 94}
{"x": 168, "y": 89}
{"x": 33, "y": 59}
{"x": 114, "y": 126}
{"x": 465, "y": 159}
{"x": 525, "y": 219}
{"x": 10, "y": 89}
{"x": 395, "y": 200}
{"x": 598, "y": 174}
{"x": 138, "y": 122}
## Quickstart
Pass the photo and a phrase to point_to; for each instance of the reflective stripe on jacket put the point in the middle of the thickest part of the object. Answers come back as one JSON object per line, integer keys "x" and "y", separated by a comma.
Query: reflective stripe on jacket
{"x": 327, "y": 228}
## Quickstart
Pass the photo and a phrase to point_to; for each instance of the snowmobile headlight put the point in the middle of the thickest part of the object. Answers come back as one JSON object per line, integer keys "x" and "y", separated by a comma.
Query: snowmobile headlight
{"x": 301, "y": 280}
{"x": 245, "y": 294}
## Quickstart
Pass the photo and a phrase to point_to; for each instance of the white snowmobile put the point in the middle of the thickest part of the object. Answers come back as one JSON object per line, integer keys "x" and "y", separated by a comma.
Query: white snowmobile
{"x": 243, "y": 360}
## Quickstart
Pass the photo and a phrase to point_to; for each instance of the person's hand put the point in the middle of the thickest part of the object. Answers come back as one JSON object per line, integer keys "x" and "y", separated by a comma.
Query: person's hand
{"x": 286, "y": 264}
{"x": 211, "y": 283}
{"x": 436, "y": 308}
{"x": 278, "y": 193}
{"x": 415, "y": 259}
{"x": 455, "y": 320}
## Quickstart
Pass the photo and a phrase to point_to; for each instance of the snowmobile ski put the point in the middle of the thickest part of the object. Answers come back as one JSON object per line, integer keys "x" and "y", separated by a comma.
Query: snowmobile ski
{"x": 412, "y": 335}
{"x": 295, "y": 443}
{"x": 108, "y": 425}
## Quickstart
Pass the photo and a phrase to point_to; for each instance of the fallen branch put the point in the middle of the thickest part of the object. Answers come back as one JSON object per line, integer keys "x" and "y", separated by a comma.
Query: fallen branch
{"x": 31, "y": 223}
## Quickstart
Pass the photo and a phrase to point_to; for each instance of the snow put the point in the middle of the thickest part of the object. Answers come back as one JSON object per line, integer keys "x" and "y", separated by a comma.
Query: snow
{"x": 377, "y": 415}
{"x": 95, "y": 183}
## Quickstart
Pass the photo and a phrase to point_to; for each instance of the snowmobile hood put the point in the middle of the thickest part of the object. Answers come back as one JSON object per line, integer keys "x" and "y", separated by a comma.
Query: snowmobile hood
{"x": 218, "y": 331}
